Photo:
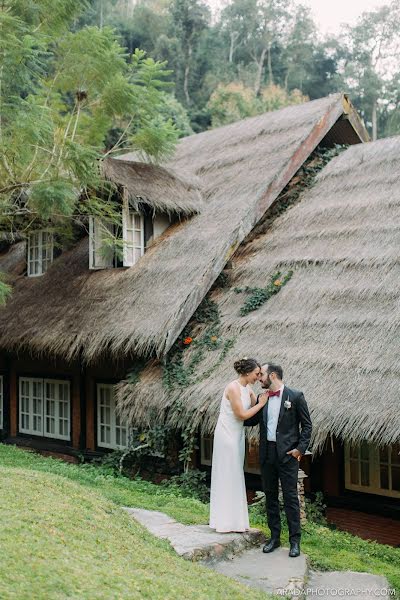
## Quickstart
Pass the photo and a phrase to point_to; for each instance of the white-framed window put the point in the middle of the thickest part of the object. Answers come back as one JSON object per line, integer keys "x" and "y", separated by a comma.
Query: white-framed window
{"x": 56, "y": 409}
{"x": 1, "y": 402}
{"x": 251, "y": 457}
{"x": 373, "y": 470}
{"x": 132, "y": 234}
{"x": 40, "y": 252}
{"x": 44, "y": 407}
{"x": 101, "y": 249}
{"x": 112, "y": 432}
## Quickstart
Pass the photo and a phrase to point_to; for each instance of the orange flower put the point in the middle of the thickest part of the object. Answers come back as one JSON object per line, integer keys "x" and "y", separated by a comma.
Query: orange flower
{"x": 278, "y": 282}
{"x": 187, "y": 341}
{"x": 213, "y": 338}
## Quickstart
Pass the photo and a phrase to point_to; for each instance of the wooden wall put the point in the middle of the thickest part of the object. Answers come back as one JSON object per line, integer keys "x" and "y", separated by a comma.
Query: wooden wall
{"x": 83, "y": 396}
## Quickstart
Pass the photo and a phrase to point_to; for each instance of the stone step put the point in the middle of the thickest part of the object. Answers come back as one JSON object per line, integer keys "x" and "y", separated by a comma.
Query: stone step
{"x": 196, "y": 542}
{"x": 274, "y": 573}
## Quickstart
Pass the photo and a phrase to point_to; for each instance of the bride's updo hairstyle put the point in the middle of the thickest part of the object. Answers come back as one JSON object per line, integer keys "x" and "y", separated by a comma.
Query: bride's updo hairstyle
{"x": 245, "y": 365}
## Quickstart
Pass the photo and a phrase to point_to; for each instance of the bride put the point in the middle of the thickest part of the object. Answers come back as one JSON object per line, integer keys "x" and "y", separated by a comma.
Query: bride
{"x": 228, "y": 502}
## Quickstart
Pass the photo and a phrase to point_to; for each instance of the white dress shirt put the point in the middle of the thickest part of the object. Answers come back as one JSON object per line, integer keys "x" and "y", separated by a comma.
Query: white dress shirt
{"x": 274, "y": 407}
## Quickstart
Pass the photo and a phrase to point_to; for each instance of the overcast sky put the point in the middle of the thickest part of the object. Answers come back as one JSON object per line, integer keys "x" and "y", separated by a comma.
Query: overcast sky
{"x": 329, "y": 14}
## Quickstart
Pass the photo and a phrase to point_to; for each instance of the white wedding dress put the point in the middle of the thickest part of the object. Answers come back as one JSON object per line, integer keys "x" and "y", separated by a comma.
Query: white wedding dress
{"x": 228, "y": 502}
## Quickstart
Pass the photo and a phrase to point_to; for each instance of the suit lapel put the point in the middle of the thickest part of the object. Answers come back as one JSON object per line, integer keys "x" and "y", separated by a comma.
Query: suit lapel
{"x": 285, "y": 396}
{"x": 265, "y": 415}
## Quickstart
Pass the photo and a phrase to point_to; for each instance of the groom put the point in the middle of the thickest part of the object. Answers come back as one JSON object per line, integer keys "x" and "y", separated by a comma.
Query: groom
{"x": 285, "y": 431}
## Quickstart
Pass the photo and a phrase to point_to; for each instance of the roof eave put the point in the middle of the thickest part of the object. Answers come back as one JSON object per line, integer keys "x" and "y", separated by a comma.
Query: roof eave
{"x": 354, "y": 119}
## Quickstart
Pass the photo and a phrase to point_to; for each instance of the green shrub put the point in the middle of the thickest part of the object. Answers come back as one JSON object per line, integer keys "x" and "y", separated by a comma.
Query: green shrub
{"x": 315, "y": 509}
{"x": 191, "y": 484}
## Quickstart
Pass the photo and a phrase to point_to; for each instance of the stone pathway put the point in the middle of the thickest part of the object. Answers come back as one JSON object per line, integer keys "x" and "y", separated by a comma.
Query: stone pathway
{"x": 196, "y": 542}
{"x": 274, "y": 573}
{"x": 240, "y": 556}
{"x": 346, "y": 584}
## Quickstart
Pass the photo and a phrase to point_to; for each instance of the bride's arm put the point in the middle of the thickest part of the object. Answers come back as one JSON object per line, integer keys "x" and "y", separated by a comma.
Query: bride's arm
{"x": 233, "y": 395}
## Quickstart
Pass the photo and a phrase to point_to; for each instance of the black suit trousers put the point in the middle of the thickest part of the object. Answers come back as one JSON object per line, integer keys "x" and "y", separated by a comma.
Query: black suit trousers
{"x": 273, "y": 470}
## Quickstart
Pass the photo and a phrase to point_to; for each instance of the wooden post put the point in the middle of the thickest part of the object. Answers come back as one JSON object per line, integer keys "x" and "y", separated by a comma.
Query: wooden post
{"x": 302, "y": 500}
{"x": 90, "y": 424}
{"x": 13, "y": 400}
{"x": 76, "y": 411}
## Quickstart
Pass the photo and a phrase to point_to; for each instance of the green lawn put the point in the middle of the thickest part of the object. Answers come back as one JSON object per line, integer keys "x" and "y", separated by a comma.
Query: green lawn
{"x": 64, "y": 536}
{"x": 63, "y": 539}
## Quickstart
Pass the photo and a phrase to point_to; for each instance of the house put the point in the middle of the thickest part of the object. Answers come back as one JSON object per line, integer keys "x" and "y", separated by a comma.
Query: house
{"x": 334, "y": 326}
{"x": 77, "y": 323}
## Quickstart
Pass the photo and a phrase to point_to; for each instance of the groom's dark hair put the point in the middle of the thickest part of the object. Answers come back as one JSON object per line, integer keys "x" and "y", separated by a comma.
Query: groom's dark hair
{"x": 275, "y": 369}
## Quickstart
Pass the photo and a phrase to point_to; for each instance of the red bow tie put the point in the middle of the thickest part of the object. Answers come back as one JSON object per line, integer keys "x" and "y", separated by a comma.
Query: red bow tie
{"x": 271, "y": 393}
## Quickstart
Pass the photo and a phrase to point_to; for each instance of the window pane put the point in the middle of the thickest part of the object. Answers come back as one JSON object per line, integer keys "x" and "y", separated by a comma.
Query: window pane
{"x": 118, "y": 436}
{"x": 364, "y": 473}
{"x": 354, "y": 477}
{"x": 384, "y": 475}
{"x": 396, "y": 479}
{"x": 138, "y": 254}
{"x": 57, "y": 409}
{"x": 24, "y": 405}
{"x": 50, "y": 425}
{"x": 383, "y": 455}
{"x": 364, "y": 451}
{"x": 395, "y": 455}
{"x": 207, "y": 448}
{"x": 130, "y": 256}
{"x": 105, "y": 434}
{"x": 354, "y": 452}
{"x": 129, "y": 237}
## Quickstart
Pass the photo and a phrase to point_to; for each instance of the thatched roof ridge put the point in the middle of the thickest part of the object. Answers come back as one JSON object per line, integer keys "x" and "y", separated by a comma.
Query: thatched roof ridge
{"x": 334, "y": 327}
{"x": 163, "y": 190}
{"x": 74, "y": 312}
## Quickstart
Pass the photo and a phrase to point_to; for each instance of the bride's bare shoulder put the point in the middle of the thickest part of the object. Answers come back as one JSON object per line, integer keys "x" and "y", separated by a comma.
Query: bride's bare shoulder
{"x": 233, "y": 386}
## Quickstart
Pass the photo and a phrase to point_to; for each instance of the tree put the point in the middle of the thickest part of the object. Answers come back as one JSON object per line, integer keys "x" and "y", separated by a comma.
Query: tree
{"x": 61, "y": 94}
{"x": 299, "y": 51}
{"x": 190, "y": 18}
{"x": 273, "y": 23}
{"x": 373, "y": 55}
{"x": 232, "y": 102}
{"x": 237, "y": 22}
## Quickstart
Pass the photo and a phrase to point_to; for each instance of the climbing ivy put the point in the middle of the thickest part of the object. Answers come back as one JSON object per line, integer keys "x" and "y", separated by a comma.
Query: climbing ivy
{"x": 303, "y": 179}
{"x": 133, "y": 376}
{"x": 258, "y": 296}
{"x": 178, "y": 372}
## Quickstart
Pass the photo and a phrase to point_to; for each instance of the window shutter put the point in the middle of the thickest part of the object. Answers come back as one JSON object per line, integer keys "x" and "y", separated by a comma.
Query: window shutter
{"x": 100, "y": 257}
{"x": 132, "y": 233}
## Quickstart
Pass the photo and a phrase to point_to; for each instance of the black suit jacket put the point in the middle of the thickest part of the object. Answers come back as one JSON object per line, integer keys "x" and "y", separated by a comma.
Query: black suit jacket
{"x": 293, "y": 429}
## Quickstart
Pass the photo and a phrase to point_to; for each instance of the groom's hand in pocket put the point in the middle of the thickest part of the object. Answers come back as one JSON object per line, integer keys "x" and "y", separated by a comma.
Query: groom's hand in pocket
{"x": 295, "y": 453}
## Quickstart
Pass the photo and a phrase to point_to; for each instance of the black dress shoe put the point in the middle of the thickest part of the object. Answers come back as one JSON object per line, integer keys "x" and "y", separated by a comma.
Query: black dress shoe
{"x": 294, "y": 550}
{"x": 271, "y": 545}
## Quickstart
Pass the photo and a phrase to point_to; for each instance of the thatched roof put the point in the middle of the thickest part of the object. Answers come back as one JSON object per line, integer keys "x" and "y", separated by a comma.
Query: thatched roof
{"x": 163, "y": 190}
{"x": 335, "y": 326}
{"x": 73, "y": 312}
